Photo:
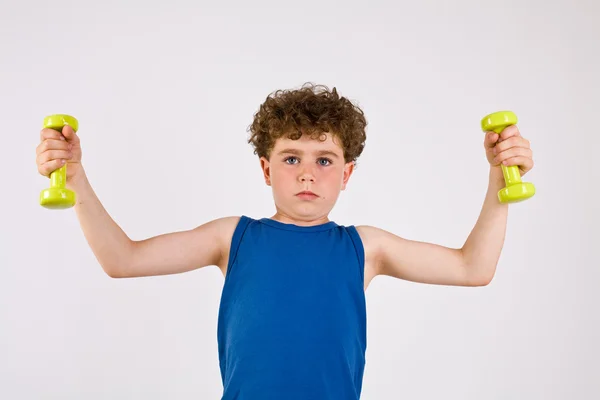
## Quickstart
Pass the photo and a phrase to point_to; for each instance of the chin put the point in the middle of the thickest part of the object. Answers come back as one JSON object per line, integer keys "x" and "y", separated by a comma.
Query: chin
{"x": 311, "y": 213}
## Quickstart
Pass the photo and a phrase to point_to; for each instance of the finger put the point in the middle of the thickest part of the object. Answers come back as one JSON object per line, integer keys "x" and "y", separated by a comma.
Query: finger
{"x": 69, "y": 133}
{"x": 509, "y": 131}
{"x": 48, "y": 133}
{"x": 53, "y": 144}
{"x": 512, "y": 152}
{"x": 515, "y": 141}
{"x": 524, "y": 163}
{"x": 490, "y": 139}
{"x": 50, "y": 166}
{"x": 50, "y": 155}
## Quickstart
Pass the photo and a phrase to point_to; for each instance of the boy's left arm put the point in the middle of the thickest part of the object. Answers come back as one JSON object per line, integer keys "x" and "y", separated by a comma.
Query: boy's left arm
{"x": 474, "y": 264}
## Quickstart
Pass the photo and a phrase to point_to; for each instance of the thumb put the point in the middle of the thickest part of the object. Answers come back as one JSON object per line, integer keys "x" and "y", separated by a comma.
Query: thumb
{"x": 69, "y": 134}
{"x": 490, "y": 139}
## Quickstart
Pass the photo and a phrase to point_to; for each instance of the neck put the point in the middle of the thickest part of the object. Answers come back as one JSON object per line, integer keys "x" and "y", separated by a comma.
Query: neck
{"x": 310, "y": 221}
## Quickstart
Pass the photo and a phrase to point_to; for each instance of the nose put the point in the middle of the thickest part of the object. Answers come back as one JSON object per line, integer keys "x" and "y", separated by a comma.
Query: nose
{"x": 307, "y": 179}
{"x": 306, "y": 176}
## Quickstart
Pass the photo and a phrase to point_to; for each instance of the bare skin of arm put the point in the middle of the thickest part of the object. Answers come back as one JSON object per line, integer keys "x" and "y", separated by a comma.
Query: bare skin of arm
{"x": 474, "y": 264}
{"x": 119, "y": 256}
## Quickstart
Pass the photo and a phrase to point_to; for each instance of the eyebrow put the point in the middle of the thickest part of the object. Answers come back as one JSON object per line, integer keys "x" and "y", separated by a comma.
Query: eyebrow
{"x": 299, "y": 152}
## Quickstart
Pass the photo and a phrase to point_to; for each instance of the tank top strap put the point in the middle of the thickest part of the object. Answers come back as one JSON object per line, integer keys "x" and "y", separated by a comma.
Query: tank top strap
{"x": 359, "y": 248}
{"x": 236, "y": 239}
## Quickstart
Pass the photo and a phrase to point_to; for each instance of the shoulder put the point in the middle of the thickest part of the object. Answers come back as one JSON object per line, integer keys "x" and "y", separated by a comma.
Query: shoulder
{"x": 219, "y": 231}
{"x": 223, "y": 231}
{"x": 222, "y": 228}
{"x": 373, "y": 236}
{"x": 376, "y": 241}
{"x": 368, "y": 232}
{"x": 221, "y": 225}
{"x": 379, "y": 239}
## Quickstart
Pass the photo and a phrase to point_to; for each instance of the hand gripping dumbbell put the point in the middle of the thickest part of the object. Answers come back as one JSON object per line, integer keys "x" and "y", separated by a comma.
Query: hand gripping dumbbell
{"x": 515, "y": 189}
{"x": 57, "y": 196}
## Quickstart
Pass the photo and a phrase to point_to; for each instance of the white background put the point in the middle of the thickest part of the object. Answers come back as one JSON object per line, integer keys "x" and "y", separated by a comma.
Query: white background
{"x": 164, "y": 93}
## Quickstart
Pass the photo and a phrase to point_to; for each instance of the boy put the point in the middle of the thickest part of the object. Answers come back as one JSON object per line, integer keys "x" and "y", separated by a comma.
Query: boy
{"x": 292, "y": 317}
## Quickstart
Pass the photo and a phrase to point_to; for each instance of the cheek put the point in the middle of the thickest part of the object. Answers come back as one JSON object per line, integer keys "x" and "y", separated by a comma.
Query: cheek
{"x": 280, "y": 174}
{"x": 282, "y": 178}
{"x": 333, "y": 179}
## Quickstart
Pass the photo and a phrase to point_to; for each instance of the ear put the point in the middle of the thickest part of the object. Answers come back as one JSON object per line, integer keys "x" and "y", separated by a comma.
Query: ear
{"x": 348, "y": 170}
{"x": 265, "y": 165}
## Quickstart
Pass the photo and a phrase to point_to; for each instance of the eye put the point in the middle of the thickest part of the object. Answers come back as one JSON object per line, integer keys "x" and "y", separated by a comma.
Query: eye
{"x": 289, "y": 158}
{"x": 327, "y": 161}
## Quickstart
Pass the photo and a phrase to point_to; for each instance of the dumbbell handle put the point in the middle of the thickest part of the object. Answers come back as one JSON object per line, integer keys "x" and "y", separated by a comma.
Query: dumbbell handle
{"x": 511, "y": 173}
{"x": 497, "y": 122}
{"x": 58, "y": 177}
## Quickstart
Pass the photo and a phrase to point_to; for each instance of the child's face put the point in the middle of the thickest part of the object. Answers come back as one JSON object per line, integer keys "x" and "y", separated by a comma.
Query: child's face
{"x": 306, "y": 165}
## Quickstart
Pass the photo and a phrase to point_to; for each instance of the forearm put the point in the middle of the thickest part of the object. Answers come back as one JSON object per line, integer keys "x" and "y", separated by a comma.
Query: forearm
{"x": 111, "y": 246}
{"x": 482, "y": 248}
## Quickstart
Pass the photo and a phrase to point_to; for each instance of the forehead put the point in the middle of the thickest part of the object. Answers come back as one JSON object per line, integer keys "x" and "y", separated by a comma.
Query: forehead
{"x": 326, "y": 141}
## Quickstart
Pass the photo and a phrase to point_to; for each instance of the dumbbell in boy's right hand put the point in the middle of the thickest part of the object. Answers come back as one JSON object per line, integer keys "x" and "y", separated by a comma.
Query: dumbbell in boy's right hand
{"x": 56, "y": 149}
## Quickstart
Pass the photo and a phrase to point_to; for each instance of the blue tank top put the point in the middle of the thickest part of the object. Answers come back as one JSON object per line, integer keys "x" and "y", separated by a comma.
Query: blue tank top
{"x": 292, "y": 315}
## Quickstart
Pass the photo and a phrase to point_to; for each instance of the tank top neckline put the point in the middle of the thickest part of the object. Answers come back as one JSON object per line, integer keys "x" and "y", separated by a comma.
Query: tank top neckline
{"x": 298, "y": 228}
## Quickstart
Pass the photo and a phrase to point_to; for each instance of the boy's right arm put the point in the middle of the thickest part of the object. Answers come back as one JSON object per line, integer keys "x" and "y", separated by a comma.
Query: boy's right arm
{"x": 119, "y": 256}
{"x": 165, "y": 254}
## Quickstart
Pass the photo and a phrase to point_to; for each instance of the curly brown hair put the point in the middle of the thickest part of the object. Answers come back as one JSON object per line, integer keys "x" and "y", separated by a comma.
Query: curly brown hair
{"x": 312, "y": 110}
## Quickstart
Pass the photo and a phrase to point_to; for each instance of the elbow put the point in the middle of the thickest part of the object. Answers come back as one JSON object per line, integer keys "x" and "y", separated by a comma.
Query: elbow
{"x": 116, "y": 270}
{"x": 481, "y": 280}
{"x": 481, "y": 277}
{"x": 113, "y": 272}
{"x": 119, "y": 271}
{"x": 120, "y": 266}
{"x": 478, "y": 274}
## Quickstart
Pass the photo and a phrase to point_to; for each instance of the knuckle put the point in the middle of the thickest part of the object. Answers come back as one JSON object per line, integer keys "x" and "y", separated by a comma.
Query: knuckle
{"x": 40, "y": 158}
{"x": 47, "y": 133}
{"x": 53, "y": 155}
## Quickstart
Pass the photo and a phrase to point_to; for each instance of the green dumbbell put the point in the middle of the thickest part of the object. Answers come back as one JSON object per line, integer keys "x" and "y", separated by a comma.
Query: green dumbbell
{"x": 57, "y": 196}
{"x": 515, "y": 189}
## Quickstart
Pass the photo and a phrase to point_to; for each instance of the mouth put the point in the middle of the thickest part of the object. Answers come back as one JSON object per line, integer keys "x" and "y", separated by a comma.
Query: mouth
{"x": 306, "y": 194}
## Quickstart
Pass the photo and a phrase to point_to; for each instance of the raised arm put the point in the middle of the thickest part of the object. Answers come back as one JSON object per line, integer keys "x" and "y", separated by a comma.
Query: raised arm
{"x": 165, "y": 254}
{"x": 474, "y": 264}
{"x": 119, "y": 256}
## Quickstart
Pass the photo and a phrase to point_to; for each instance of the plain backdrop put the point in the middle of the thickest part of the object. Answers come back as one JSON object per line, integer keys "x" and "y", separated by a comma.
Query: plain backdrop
{"x": 164, "y": 92}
